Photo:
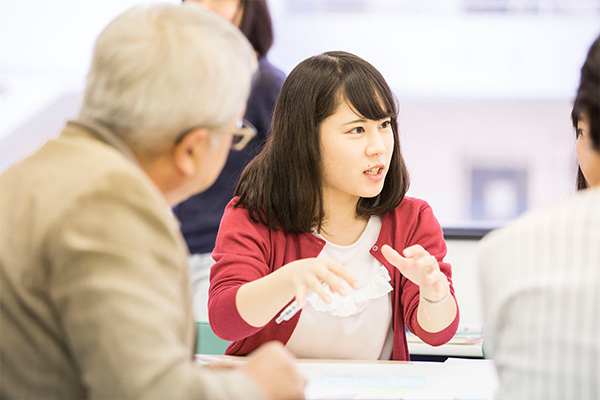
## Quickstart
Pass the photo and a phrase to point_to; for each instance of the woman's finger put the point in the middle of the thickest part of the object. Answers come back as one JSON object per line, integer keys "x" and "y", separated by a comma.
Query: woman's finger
{"x": 334, "y": 282}
{"x": 341, "y": 271}
{"x": 393, "y": 256}
{"x": 301, "y": 294}
{"x": 414, "y": 251}
{"x": 319, "y": 289}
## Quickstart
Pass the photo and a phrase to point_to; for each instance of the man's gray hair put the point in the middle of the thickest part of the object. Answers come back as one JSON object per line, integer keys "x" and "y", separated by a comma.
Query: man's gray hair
{"x": 159, "y": 70}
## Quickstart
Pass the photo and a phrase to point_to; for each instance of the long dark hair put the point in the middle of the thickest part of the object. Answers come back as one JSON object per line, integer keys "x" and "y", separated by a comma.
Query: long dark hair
{"x": 282, "y": 186}
{"x": 257, "y": 25}
{"x": 588, "y": 101}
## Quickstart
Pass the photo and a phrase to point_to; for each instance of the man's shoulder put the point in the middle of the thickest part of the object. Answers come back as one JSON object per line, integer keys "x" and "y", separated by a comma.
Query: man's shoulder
{"x": 73, "y": 152}
{"x": 70, "y": 168}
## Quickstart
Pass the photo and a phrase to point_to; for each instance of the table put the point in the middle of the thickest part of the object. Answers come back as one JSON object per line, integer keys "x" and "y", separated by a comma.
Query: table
{"x": 348, "y": 379}
{"x": 473, "y": 350}
{"x": 464, "y": 344}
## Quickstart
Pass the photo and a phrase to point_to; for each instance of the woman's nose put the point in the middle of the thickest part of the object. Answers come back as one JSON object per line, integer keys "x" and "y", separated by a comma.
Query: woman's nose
{"x": 375, "y": 143}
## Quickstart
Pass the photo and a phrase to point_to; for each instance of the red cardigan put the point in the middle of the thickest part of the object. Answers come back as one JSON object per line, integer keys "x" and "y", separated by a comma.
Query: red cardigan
{"x": 246, "y": 251}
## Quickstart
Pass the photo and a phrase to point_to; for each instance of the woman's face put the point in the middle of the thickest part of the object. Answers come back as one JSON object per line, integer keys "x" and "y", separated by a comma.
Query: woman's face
{"x": 231, "y": 10}
{"x": 355, "y": 155}
{"x": 588, "y": 157}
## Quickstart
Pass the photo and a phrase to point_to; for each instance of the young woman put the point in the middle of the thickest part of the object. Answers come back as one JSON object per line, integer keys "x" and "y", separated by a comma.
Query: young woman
{"x": 322, "y": 209}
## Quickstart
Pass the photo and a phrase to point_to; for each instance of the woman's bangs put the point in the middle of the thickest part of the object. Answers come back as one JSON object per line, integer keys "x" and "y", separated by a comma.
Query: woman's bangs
{"x": 370, "y": 98}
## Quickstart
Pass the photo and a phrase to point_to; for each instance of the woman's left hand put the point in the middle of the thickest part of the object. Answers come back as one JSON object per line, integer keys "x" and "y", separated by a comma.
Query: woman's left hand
{"x": 421, "y": 268}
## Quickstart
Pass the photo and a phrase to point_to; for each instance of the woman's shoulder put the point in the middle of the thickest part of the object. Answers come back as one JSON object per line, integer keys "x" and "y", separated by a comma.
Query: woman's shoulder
{"x": 412, "y": 205}
{"x": 237, "y": 220}
{"x": 413, "y": 218}
{"x": 236, "y": 212}
{"x": 411, "y": 211}
{"x": 237, "y": 216}
{"x": 572, "y": 212}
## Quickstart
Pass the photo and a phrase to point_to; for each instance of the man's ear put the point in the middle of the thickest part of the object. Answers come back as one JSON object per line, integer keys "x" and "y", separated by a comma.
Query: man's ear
{"x": 187, "y": 153}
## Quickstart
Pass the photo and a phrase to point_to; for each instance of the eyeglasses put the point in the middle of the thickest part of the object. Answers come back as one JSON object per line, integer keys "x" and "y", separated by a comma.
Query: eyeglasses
{"x": 242, "y": 134}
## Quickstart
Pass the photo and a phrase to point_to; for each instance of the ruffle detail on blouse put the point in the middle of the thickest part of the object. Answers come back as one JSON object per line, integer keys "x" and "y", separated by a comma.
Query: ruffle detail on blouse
{"x": 357, "y": 300}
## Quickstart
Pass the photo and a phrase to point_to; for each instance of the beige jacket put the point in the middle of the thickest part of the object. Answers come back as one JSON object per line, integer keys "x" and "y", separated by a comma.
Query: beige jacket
{"x": 94, "y": 288}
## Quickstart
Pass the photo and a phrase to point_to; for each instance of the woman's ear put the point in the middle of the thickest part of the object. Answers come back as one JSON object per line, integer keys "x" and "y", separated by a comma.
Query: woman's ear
{"x": 187, "y": 153}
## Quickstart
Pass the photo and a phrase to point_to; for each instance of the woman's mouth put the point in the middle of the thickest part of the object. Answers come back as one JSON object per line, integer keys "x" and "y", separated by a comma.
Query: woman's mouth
{"x": 374, "y": 171}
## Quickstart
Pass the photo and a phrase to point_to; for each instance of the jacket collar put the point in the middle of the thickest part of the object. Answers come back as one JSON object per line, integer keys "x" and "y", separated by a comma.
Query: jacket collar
{"x": 104, "y": 134}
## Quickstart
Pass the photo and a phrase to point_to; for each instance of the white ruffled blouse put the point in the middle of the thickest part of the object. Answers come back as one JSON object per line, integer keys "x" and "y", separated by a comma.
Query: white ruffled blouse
{"x": 355, "y": 326}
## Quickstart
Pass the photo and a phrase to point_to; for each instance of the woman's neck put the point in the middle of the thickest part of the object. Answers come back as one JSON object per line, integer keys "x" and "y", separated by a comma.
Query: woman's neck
{"x": 341, "y": 225}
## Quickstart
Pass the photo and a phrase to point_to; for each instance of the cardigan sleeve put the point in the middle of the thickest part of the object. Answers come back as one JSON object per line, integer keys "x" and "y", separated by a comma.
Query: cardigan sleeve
{"x": 428, "y": 233}
{"x": 241, "y": 255}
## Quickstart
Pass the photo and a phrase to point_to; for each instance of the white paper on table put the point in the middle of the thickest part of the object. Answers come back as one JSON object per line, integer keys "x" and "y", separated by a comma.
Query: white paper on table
{"x": 464, "y": 379}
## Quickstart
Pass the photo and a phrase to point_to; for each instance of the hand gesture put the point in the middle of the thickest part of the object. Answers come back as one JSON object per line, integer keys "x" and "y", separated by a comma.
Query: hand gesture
{"x": 421, "y": 268}
{"x": 260, "y": 300}
{"x": 311, "y": 273}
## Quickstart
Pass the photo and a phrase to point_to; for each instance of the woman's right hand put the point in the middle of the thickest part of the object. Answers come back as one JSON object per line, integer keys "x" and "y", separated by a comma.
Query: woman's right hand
{"x": 310, "y": 274}
{"x": 259, "y": 301}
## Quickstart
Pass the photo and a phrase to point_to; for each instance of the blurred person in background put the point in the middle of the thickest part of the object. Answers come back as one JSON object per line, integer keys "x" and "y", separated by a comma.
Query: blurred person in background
{"x": 94, "y": 284}
{"x": 201, "y": 214}
{"x": 540, "y": 278}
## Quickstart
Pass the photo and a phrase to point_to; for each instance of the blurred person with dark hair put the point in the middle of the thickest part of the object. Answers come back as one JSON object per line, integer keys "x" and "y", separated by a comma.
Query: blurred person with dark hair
{"x": 541, "y": 278}
{"x": 201, "y": 214}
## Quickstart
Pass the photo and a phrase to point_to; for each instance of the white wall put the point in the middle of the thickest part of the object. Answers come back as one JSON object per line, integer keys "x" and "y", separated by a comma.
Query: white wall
{"x": 46, "y": 49}
{"x": 462, "y": 256}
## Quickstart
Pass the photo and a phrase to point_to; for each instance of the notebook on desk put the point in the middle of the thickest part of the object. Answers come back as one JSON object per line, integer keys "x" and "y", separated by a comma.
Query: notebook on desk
{"x": 466, "y": 334}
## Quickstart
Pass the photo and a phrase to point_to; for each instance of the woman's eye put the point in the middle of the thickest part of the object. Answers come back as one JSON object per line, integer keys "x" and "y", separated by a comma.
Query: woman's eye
{"x": 358, "y": 129}
{"x": 386, "y": 124}
{"x": 579, "y": 133}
